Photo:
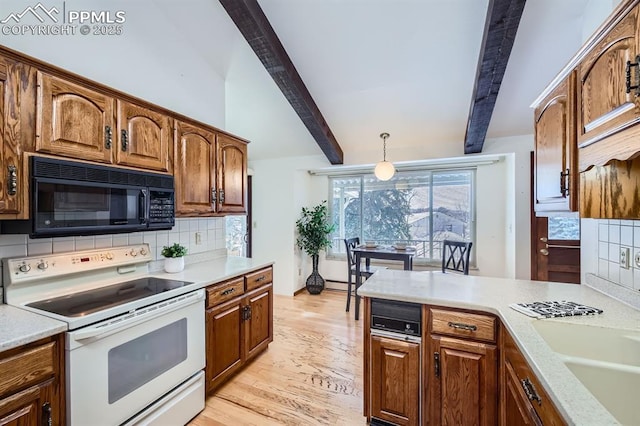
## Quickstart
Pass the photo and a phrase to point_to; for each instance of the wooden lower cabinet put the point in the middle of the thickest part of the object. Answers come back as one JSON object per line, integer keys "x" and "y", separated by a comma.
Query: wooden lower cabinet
{"x": 239, "y": 325}
{"x": 31, "y": 384}
{"x": 395, "y": 380}
{"x": 524, "y": 401}
{"x": 462, "y": 382}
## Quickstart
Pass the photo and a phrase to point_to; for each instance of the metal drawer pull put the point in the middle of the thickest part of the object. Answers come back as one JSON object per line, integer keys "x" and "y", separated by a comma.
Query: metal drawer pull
{"x": 530, "y": 391}
{"x": 228, "y": 291}
{"x": 462, "y": 326}
{"x": 261, "y": 278}
{"x": 13, "y": 180}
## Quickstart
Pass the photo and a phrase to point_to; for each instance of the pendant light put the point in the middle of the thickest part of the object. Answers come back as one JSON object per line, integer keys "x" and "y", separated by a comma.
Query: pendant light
{"x": 384, "y": 169}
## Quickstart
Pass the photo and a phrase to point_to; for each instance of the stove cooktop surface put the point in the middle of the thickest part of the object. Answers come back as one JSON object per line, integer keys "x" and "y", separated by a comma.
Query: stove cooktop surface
{"x": 90, "y": 301}
{"x": 554, "y": 309}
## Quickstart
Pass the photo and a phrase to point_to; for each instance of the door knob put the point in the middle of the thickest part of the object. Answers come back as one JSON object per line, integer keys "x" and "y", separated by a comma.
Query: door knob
{"x": 544, "y": 252}
{"x": 543, "y": 239}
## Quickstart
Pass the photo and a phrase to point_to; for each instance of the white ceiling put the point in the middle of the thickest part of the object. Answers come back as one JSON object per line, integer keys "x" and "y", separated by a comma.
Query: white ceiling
{"x": 406, "y": 67}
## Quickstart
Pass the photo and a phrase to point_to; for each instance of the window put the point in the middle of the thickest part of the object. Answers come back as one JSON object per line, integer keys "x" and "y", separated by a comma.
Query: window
{"x": 421, "y": 208}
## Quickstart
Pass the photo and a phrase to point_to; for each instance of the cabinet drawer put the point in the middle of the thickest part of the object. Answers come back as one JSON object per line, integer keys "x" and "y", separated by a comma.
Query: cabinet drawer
{"x": 219, "y": 293}
{"x": 259, "y": 278}
{"x": 533, "y": 390}
{"x": 25, "y": 368}
{"x": 463, "y": 324}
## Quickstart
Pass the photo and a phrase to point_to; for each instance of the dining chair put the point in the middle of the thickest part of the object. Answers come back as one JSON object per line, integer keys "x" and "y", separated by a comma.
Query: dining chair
{"x": 455, "y": 256}
{"x": 366, "y": 272}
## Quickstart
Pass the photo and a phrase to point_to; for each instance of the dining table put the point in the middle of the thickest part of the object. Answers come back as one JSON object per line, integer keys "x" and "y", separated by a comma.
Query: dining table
{"x": 382, "y": 252}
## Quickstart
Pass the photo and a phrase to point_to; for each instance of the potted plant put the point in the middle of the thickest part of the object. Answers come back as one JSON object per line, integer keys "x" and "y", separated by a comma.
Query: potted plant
{"x": 313, "y": 235}
{"x": 174, "y": 257}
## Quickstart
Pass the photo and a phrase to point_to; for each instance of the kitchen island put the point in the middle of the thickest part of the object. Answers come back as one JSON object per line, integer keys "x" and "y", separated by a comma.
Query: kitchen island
{"x": 494, "y": 295}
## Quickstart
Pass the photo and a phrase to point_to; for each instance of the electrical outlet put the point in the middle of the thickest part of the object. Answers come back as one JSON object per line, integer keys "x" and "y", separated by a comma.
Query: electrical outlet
{"x": 198, "y": 238}
{"x": 638, "y": 259}
{"x": 624, "y": 258}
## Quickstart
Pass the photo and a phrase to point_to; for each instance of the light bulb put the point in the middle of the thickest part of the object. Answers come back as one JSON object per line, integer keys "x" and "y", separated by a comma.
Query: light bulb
{"x": 384, "y": 170}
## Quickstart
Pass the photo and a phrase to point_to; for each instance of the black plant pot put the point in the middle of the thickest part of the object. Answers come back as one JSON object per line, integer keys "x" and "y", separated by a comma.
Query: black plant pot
{"x": 315, "y": 283}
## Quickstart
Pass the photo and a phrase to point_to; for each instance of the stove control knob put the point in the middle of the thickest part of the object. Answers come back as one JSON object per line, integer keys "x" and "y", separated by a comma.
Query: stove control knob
{"x": 24, "y": 267}
{"x": 108, "y": 255}
{"x": 133, "y": 253}
{"x": 43, "y": 265}
{"x": 143, "y": 251}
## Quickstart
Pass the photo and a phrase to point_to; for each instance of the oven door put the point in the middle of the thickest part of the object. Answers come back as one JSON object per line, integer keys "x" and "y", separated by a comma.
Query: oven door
{"x": 64, "y": 207}
{"x": 117, "y": 368}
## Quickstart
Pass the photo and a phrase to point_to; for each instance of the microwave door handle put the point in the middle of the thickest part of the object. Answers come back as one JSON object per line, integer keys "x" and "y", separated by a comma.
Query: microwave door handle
{"x": 142, "y": 206}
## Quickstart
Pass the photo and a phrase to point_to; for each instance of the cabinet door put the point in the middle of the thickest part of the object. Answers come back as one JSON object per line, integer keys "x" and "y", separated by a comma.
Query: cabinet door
{"x": 143, "y": 138}
{"x": 517, "y": 409}
{"x": 194, "y": 170}
{"x": 463, "y": 383}
{"x": 24, "y": 408}
{"x": 16, "y": 90}
{"x": 395, "y": 380}
{"x": 259, "y": 326}
{"x": 73, "y": 121}
{"x": 224, "y": 343}
{"x": 556, "y": 180}
{"x": 232, "y": 175}
{"x": 604, "y": 106}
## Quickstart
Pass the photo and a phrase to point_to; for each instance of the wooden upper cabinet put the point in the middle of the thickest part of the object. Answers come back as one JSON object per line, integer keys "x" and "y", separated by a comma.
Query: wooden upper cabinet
{"x": 556, "y": 175}
{"x": 73, "y": 121}
{"x": 17, "y": 133}
{"x": 195, "y": 151}
{"x": 143, "y": 137}
{"x": 232, "y": 175}
{"x": 606, "y": 104}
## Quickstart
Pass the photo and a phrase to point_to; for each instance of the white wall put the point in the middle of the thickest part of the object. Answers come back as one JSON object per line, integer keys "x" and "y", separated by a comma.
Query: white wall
{"x": 149, "y": 60}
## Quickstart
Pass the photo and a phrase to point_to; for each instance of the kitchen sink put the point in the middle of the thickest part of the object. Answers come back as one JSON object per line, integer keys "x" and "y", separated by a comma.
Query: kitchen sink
{"x": 605, "y": 360}
{"x": 613, "y": 345}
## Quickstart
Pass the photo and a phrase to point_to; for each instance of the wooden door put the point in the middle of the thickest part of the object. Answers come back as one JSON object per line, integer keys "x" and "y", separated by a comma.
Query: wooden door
{"x": 604, "y": 104}
{"x": 224, "y": 344}
{"x": 554, "y": 258}
{"x": 25, "y": 408}
{"x": 463, "y": 383}
{"x": 517, "y": 409}
{"x": 73, "y": 121}
{"x": 194, "y": 170}
{"x": 395, "y": 380}
{"x": 144, "y": 138}
{"x": 259, "y": 326}
{"x": 232, "y": 175}
{"x": 556, "y": 177}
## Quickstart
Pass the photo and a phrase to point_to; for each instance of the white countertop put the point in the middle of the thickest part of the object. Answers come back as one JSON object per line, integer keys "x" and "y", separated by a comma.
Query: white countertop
{"x": 19, "y": 327}
{"x": 494, "y": 295}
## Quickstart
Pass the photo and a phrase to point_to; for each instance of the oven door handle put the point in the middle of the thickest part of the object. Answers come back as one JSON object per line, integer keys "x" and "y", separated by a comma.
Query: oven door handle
{"x": 138, "y": 316}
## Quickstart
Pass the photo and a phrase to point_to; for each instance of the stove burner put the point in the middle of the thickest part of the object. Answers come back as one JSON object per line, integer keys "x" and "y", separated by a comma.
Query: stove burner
{"x": 87, "y": 302}
{"x": 554, "y": 309}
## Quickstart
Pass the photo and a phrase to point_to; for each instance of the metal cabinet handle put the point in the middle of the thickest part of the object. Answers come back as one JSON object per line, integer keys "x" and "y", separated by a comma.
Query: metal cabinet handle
{"x": 564, "y": 183}
{"x": 108, "y": 137}
{"x": 530, "y": 391}
{"x": 246, "y": 313}
{"x": 462, "y": 326}
{"x": 12, "y": 181}
{"x": 221, "y": 196}
{"x": 436, "y": 363}
{"x": 213, "y": 196}
{"x": 261, "y": 278}
{"x": 46, "y": 414}
{"x": 635, "y": 65}
{"x": 125, "y": 140}
{"x": 228, "y": 291}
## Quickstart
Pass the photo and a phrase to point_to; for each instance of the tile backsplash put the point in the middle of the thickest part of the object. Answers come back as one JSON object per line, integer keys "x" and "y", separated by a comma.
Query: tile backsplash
{"x": 210, "y": 234}
{"x": 613, "y": 235}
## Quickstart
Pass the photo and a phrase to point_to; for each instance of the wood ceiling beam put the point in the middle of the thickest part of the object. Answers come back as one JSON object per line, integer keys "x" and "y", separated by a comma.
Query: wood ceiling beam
{"x": 501, "y": 25}
{"x": 256, "y": 29}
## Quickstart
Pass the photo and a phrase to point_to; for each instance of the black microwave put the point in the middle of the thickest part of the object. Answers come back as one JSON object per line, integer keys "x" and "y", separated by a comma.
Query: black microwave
{"x": 72, "y": 198}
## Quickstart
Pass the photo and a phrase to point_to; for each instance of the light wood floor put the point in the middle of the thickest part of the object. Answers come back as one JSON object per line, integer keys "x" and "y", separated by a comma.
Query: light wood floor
{"x": 310, "y": 375}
